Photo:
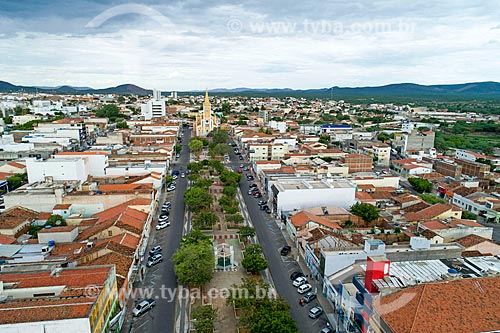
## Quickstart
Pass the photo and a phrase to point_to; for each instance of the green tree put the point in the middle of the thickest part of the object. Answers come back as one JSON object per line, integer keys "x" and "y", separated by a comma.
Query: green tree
{"x": 235, "y": 218}
{"x": 254, "y": 263}
{"x": 204, "y": 317}
{"x": 219, "y": 136}
{"x": 230, "y": 191}
{"x": 420, "y": 185}
{"x": 197, "y": 198}
{"x": 383, "y": 137}
{"x": 202, "y": 182}
{"x": 431, "y": 199}
{"x": 194, "y": 263}
{"x": 220, "y": 149}
{"x": 205, "y": 219}
{"x": 55, "y": 221}
{"x": 195, "y": 237}
{"x": 253, "y": 249}
{"x": 178, "y": 148}
{"x": 466, "y": 215}
{"x": 196, "y": 146}
{"x": 325, "y": 139}
{"x": 246, "y": 232}
{"x": 216, "y": 165}
{"x": 14, "y": 182}
{"x": 121, "y": 125}
{"x": 110, "y": 111}
{"x": 366, "y": 211}
{"x": 226, "y": 108}
{"x": 229, "y": 178}
{"x": 194, "y": 167}
{"x": 270, "y": 315}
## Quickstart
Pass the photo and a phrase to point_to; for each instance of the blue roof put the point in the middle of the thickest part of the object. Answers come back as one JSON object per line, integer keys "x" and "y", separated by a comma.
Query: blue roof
{"x": 336, "y": 126}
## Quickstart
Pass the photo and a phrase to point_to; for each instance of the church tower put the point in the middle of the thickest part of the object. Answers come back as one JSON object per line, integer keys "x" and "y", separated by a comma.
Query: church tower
{"x": 206, "y": 121}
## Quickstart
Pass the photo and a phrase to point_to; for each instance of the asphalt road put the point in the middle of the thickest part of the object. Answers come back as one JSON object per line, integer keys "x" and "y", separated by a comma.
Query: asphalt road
{"x": 162, "y": 317}
{"x": 272, "y": 240}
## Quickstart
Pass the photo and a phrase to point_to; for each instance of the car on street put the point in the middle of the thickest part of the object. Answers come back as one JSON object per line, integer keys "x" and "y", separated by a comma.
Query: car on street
{"x": 154, "y": 250}
{"x": 242, "y": 166}
{"x": 171, "y": 188}
{"x": 183, "y": 175}
{"x": 315, "y": 312}
{"x": 250, "y": 177}
{"x": 308, "y": 297}
{"x": 162, "y": 225}
{"x": 304, "y": 288}
{"x": 163, "y": 218}
{"x": 257, "y": 195}
{"x": 252, "y": 186}
{"x": 246, "y": 168}
{"x": 299, "y": 281}
{"x": 241, "y": 157}
{"x": 174, "y": 177}
{"x": 327, "y": 330}
{"x": 267, "y": 210}
{"x": 295, "y": 275}
{"x": 143, "y": 307}
{"x": 167, "y": 204}
{"x": 285, "y": 250}
{"x": 264, "y": 207}
{"x": 240, "y": 170}
{"x": 156, "y": 259}
{"x": 262, "y": 202}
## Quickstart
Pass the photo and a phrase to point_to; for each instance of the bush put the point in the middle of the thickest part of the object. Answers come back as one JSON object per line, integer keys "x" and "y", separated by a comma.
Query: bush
{"x": 466, "y": 215}
{"x": 366, "y": 211}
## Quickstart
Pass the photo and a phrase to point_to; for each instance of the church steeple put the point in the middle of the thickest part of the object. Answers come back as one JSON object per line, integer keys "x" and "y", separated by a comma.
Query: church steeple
{"x": 207, "y": 101}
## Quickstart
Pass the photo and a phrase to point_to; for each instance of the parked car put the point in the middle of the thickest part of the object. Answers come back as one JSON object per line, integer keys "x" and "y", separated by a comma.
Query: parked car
{"x": 167, "y": 204}
{"x": 163, "y": 214}
{"x": 183, "y": 175}
{"x": 262, "y": 202}
{"x": 308, "y": 297}
{"x": 175, "y": 177}
{"x": 143, "y": 307}
{"x": 295, "y": 275}
{"x": 267, "y": 210}
{"x": 246, "y": 168}
{"x": 327, "y": 330}
{"x": 315, "y": 312}
{"x": 253, "y": 186}
{"x": 257, "y": 195}
{"x": 299, "y": 281}
{"x": 264, "y": 207}
{"x": 250, "y": 177}
{"x": 157, "y": 258}
{"x": 163, "y": 218}
{"x": 240, "y": 170}
{"x": 242, "y": 166}
{"x": 285, "y": 250}
{"x": 241, "y": 157}
{"x": 162, "y": 225}
{"x": 171, "y": 188}
{"x": 304, "y": 288}
{"x": 154, "y": 250}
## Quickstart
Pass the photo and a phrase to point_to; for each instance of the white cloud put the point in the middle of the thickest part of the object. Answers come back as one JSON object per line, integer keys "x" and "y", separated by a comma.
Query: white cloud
{"x": 345, "y": 44}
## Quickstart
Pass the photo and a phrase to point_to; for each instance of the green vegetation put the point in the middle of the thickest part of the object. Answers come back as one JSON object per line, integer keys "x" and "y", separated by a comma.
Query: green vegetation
{"x": 17, "y": 180}
{"x": 431, "y": 199}
{"x": 204, "y": 220}
{"x": 324, "y": 139}
{"x": 52, "y": 221}
{"x": 122, "y": 125}
{"x": 110, "y": 111}
{"x": 246, "y": 232}
{"x": 366, "y": 211}
{"x": 254, "y": 261}
{"x": 420, "y": 185}
{"x": 194, "y": 260}
{"x": 197, "y": 198}
{"x": 476, "y": 136}
{"x": 260, "y": 312}
{"x": 196, "y": 146}
{"x": 203, "y": 318}
{"x": 466, "y": 215}
{"x": 235, "y": 218}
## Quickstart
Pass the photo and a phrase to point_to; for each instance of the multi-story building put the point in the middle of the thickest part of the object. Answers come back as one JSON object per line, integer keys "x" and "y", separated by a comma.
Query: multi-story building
{"x": 63, "y": 131}
{"x": 155, "y": 107}
{"x": 358, "y": 163}
{"x": 57, "y": 169}
{"x": 59, "y": 300}
{"x": 473, "y": 169}
{"x": 448, "y": 168}
{"x": 381, "y": 153}
{"x": 264, "y": 115}
{"x": 206, "y": 121}
{"x": 419, "y": 141}
{"x": 266, "y": 152}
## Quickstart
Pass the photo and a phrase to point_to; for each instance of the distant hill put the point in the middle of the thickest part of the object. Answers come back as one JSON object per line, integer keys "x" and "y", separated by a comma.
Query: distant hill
{"x": 483, "y": 90}
{"x": 123, "y": 89}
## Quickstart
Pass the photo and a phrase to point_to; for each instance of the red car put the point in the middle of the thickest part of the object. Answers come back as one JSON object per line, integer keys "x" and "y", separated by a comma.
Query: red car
{"x": 240, "y": 171}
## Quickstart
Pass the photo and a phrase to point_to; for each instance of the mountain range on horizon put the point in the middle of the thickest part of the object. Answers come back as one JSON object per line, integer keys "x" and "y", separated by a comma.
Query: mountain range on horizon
{"x": 464, "y": 90}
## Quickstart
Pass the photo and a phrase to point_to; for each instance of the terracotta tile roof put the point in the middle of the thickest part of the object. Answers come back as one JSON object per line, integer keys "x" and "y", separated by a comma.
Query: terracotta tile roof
{"x": 382, "y": 195}
{"x": 429, "y": 212}
{"x": 14, "y": 216}
{"x": 44, "y": 216}
{"x": 67, "y": 228}
{"x": 434, "y": 225}
{"x": 62, "y": 206}
{"x": 124, "y": 187}
{"x": 302, "y": 218}
{"x": 469, "y": 223}
{"x": 82, "y": 153}
{"x": 121, "y": 262}
{"x": 404, "y": 198}
{"x": 467, "y": 305}
{"x": 117, "y": 210}
{"x": 7, "y": 240}
{"x": 429, "y": 234}
{"x": 5, "y": 175}
{"x": 471, "y": 240}
{"x": 363, "y": 196}
{"x": 17, "y": 165}
{"x": 416, "y": 207}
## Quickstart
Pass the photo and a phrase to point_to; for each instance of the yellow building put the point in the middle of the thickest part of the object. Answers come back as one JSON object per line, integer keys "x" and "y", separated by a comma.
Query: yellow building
{"x": 206, "y": 120}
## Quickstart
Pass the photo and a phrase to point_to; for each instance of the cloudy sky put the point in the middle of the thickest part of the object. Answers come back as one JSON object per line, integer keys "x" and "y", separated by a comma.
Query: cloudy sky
{"x": 193, "y": 44}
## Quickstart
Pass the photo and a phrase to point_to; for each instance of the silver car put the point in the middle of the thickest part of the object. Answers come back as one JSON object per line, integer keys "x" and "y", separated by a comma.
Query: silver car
{"x": 143, "y": 307}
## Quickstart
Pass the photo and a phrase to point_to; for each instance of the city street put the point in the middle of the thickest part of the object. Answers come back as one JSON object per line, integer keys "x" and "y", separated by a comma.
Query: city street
{"x": 162, "y": 317}
{"x": 272, "y": 240}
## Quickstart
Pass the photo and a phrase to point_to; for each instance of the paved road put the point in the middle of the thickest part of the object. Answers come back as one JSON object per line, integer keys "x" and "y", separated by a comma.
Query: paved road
{"x": 162, "y": 317}
{"x": 271, "y": 239}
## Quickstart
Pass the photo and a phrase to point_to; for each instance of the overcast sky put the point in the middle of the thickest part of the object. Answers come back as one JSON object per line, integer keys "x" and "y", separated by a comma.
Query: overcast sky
{"x": 194, "y": 44}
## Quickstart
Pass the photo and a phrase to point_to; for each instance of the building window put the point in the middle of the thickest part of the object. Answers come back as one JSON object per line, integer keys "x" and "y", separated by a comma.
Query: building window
{"x": 110, "y": 233}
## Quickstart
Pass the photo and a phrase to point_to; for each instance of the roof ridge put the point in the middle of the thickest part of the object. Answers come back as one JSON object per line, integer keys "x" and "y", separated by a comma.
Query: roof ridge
{"x": 424, "y": 285}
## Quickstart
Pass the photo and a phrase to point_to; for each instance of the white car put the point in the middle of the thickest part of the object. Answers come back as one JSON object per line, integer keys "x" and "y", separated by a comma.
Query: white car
{"x": 183, "y": 175}
{"x": 162, "y": 225}
{"x": 299, "y": 281}
{"x": 171, "y": 188}
{"x": 163, "y": 218}
{"x": 143, "y": 307}
{"x": 304, "y": 288}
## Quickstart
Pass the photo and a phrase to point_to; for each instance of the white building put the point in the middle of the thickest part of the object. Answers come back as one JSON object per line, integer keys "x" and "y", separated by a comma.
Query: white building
{"x": 97, "y": 161}
{"x": 155, "y": 107}
{"x": 59, "y": 169}
{"x": 297, "y": 194}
